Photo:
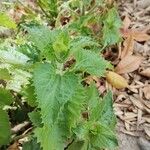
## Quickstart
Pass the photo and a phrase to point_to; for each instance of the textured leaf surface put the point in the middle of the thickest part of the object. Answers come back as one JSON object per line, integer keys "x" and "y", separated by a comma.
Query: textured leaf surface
{"x": 4, "y": 74}
{"x": 98, "y": 131}
{"x": 12, "y": 56}
{"x": 60, "y": 98}
{"x": 19, "y": 78}
{"x": 4, "y": 128}
{"x": 104, "y": 137}
{"x": 51, "y": 43}
{"x": 112, "y": 23}
{"x": 5, "y": 97}
{"x": 35, "y": 118}
{"x": 28, "y": 93}
{"x": 50, "y": 138}
{"x": 101, "y": 110}
{"x": 31, "y": 145}
{"x": 91, "y": 62}
{"x": 40, "y": 36}
{"x": 81, "y": 42}
{"x": 107, "y": 116}
{"x": 6, "y": 21}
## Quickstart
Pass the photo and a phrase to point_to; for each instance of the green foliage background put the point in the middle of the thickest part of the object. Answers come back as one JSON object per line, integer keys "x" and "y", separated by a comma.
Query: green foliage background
{"x": 55, "y": 97}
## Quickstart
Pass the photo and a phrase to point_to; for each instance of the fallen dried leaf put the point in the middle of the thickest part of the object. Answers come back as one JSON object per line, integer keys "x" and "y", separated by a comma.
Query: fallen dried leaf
{"x": 128, "y": 47}
{"x": 14, "y": 146}
{"x": 146, "y": 91}
{"x": 116, "y": 80}
{"x": 137, "y": 35}
{"x": 145, "y": 72}
{"x": 126, "y": 22}
{"x": 140, "y": 36}
{"x": 128, "y": 64}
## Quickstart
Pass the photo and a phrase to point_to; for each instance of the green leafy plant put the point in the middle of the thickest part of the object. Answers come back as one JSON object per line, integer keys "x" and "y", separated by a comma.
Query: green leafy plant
{"x": 45, "y": 77}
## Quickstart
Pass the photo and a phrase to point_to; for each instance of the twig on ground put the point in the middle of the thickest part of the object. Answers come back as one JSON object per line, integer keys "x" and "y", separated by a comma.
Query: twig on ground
{"x": 19, "y": 127}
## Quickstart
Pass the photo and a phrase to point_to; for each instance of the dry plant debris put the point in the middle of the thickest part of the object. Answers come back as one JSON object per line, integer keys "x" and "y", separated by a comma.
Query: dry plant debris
{"x": 132, "y": 105}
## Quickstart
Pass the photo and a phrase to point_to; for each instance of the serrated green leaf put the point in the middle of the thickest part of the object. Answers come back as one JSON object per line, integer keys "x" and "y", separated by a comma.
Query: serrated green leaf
{"x": 94, "y": 102}
{"x": 50, "y": 6}
{"x": 103, "y": 137}
{"x": 107, "y": 116}
{"x": 19, "y": 79}
{"x": 90, "y": 62}
{"x": 6, "y": 21}
{"x": 51, "y": 43}
{"x": 29, "y": 51}
{"x": 101, "y": 110}
{"x": 112, "y": 24}
{"x": 98, "y": 131}
{"x": 4, "y": 128}
{"x": 31, "y": 145}
{"x": 92, "y": 96}
{"x": 77, "y": 144}
{"x": 62, "y": 42}
{"x": 95, "y": 136}
{"x": 29, "y": 94}
{"x": 4, "y": 74}
{"x": 12, "y": 56}
{"x": 50, "y": 138}
{"x": 81, "y": 42}
{"x": 35, "y": 118}
{"x": 60, "y": 98}
{"x": 5, "y": 97}
{"x": 61, "y": 45}
{"x": 41, "y": 36}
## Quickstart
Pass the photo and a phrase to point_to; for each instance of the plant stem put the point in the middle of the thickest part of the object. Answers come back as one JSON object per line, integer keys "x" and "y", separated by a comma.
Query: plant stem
{"x": 46, "y": 14}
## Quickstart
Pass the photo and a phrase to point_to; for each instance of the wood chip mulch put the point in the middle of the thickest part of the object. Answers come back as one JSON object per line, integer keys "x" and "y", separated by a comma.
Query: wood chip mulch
{"x": 132, "y": 105}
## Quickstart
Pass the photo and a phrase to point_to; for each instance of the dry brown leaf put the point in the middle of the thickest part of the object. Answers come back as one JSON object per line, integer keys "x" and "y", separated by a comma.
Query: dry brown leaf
{"x": 140, "y": 36}
{"x": 14, "y": 146}
{"x": 137, "y": 35}
{"x": 128, "y": 47}
{"x": 126, "y": 22}
{"x": 146, "y": 91}
{"x": 116, "y": 80}
{"x": 128, "y": 64}
{"x": 145, "y": 72}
